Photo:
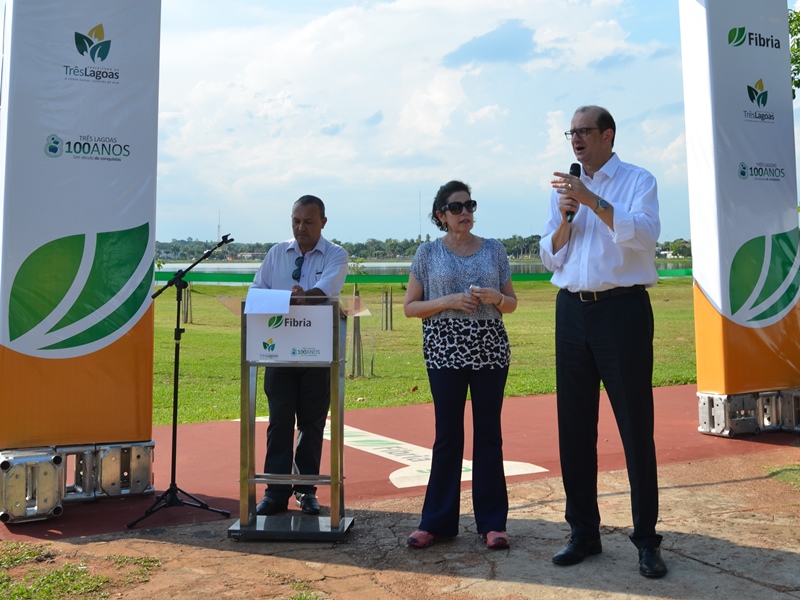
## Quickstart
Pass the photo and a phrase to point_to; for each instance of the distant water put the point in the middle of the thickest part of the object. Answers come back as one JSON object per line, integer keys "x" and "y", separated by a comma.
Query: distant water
{"x": 372, "y": 268}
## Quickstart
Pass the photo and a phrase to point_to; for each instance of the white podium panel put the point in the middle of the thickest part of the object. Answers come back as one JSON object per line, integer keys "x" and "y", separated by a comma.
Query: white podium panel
{"x": 304, "y": 334}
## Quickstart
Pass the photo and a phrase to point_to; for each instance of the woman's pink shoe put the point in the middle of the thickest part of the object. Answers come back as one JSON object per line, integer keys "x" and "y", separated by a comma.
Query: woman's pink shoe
{"x": 422, "y": 539}
{"x": 496, "y": 540}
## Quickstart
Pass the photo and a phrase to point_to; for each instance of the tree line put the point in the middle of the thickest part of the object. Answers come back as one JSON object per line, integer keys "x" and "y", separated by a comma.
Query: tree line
{"x": 517, "y": 247}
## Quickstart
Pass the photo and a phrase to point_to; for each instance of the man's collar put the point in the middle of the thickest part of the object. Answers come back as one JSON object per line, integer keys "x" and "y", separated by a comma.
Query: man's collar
{"x": 610, "y": 167}
{"x": 320, "y": 247}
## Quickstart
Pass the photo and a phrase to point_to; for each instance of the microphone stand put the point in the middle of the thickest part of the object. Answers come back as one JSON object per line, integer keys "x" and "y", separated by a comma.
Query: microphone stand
{"x": 170, "y": 497}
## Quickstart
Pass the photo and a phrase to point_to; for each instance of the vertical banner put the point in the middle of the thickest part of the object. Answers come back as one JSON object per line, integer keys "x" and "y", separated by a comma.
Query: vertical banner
{"x": 78, "y": 142}
{"x": 742, "y": 193}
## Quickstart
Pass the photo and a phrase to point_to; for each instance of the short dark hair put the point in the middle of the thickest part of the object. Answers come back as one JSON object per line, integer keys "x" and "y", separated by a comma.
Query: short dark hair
{"x": 440, "y": 201}
{"x": 308, "y": 199}
{"x": 604, "y": 119}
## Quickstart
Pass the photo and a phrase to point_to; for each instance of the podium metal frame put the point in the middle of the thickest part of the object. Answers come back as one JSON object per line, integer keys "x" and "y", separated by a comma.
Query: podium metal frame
{"x": 292, "y": 525}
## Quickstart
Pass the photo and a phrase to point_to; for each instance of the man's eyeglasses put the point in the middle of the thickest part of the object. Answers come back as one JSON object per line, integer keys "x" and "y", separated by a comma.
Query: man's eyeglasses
{"x": 457, "y": 208}
{"x": 299, "y": 264}
{"x": 580, "y": 132}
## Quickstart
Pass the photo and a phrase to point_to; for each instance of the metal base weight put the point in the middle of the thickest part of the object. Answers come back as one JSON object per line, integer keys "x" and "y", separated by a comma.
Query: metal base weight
{"x": 298, "y": 527}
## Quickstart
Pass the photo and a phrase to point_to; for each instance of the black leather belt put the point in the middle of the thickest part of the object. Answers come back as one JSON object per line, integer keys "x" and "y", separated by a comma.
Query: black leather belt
{"x": 595, "y": 296}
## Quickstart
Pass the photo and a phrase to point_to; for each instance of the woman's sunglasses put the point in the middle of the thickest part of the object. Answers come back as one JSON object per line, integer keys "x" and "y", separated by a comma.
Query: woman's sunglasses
{"x": 457, "y": 208}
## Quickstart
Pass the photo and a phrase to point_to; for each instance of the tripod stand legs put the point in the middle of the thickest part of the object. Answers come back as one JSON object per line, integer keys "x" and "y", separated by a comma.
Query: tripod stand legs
{"x": 170, "y": 498}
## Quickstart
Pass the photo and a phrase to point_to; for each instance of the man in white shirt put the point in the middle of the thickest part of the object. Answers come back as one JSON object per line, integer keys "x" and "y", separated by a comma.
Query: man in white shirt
{"x": 313, "y": 268}
{"x": 599, "y": 241}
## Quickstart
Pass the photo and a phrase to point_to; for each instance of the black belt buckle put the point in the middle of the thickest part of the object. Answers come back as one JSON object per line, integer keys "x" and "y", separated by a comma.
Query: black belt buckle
{"x": 590, "y": 296}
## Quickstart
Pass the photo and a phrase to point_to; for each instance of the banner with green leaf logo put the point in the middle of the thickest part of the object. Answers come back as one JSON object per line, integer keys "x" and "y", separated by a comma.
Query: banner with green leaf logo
{"x": 742, "y": 193}
{"x": 78, "y": 146}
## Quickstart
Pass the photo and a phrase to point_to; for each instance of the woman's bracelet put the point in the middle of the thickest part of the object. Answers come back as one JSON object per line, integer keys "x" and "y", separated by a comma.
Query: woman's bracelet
{"x": 502, "y": 299}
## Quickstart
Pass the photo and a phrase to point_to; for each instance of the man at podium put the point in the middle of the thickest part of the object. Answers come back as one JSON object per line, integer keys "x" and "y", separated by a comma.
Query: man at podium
{"x": 312, "y": 268}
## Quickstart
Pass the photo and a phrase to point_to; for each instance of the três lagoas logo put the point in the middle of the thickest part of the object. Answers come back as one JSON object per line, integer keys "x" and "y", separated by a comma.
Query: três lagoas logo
{"x": 96, "y": 47}
{"x": 93, "y": 43}
{"x": 759, "y": 96}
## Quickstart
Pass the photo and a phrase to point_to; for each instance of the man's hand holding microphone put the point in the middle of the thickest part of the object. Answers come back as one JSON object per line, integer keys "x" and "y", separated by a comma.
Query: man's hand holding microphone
{"x": 566, "y": 185}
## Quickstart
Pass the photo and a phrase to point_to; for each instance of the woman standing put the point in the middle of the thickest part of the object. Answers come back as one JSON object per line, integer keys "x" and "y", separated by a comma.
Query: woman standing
{"x": 460, "y": 285}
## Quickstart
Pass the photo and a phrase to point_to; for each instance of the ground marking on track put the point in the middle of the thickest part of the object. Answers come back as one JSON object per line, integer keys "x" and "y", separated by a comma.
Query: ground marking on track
{"x": 416, "y": 458}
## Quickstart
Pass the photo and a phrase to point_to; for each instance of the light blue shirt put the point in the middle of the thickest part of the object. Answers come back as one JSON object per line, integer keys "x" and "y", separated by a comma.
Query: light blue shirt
{"x": 596, "y": 258}
{"x": 324, "y": 267}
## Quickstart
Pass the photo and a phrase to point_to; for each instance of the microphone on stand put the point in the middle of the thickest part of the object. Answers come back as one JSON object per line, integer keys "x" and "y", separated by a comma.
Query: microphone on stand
{"x": 574, "y": 169}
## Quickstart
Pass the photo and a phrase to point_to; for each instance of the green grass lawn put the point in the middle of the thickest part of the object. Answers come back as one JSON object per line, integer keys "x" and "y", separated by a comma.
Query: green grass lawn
{"x": 394, "y": 371}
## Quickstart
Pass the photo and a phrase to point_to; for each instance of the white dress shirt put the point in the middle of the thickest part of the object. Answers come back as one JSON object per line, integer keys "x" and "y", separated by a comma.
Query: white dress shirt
{"x": 596, "y": 258}
{"x": 324, "y": 267}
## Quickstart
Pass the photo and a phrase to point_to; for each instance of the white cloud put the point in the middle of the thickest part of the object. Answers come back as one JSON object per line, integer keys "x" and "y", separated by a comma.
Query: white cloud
{"x": 486, "y": 113}
{"x": 257, "y": 110}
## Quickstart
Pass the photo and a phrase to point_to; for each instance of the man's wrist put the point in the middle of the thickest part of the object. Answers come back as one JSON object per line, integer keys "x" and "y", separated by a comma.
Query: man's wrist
{"x": 601, "y": 206}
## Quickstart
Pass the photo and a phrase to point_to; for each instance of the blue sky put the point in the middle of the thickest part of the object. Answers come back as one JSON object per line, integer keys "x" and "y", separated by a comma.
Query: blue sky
{"x": 372, "y": 105}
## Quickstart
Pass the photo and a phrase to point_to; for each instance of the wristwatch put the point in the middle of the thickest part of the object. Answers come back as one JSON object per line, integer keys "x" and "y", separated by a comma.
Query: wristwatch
{"x": 601, "y": 206}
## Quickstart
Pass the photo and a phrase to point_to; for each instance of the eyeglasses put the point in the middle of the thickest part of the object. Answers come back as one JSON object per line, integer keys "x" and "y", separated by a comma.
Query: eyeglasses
{"x": 457, "y": 208}
{"x": 580, "y": 132}
{"x": 299, "y": 264}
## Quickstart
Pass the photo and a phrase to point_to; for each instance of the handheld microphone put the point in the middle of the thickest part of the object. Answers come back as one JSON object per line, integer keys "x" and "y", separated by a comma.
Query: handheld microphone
{"x": 574, "y": 169}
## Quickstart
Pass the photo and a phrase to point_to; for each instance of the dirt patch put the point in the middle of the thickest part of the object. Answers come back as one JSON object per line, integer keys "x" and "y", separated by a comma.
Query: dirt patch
{"x": 729, "y": 530}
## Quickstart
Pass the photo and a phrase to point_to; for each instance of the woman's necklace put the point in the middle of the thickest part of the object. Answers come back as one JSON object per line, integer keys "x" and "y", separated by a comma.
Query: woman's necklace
{"x": 462, "y": 248}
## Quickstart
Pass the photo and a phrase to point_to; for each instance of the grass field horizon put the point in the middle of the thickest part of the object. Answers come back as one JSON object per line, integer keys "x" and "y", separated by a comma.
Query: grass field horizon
{"x": 393, "y": 366}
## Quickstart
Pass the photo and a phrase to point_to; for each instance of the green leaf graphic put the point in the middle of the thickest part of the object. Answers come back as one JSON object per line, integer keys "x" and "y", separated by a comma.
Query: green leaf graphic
{"x": 42, "y": 282}
{"x": 83, "y": 43}
{"x": 100, "y": 51}
{"x": 752, "y": 93}
{"x": 97, "y": 32}
{"x": 275, "y": 322}
{"x": 115, "y": 320}
{"x": 761, "y": 101}
{"x": 786, "y": 300}
{"x": 736, "y": 36}
{"x": 116, "y": 257}
{"x": 746, "y": 268}
{"x": 745, "y": 271}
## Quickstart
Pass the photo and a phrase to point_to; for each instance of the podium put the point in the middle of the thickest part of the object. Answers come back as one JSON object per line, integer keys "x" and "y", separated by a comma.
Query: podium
{"x": 308, "y": 335}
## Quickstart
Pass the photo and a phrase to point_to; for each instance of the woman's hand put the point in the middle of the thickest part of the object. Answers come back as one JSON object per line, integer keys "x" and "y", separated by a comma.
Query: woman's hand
{"x": 467, "y": 302}
{"x": 486, "y": 295}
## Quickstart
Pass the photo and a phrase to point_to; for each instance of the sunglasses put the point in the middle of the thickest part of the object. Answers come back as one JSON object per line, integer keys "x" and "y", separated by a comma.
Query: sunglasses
{"x": 456, "y": 208}
{"x": 299, "y": 264}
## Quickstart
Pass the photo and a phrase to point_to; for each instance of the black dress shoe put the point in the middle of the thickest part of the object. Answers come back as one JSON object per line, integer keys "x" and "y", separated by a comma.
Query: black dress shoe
{"x": 576, "y": 550}
{"x": 270, "y": 506}
{"x": 650, "y": 562}
{"x": 307, "y": 503}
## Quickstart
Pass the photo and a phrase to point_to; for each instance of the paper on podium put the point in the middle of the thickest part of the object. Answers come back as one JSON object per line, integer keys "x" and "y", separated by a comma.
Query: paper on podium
{"x": 267, "y": 302}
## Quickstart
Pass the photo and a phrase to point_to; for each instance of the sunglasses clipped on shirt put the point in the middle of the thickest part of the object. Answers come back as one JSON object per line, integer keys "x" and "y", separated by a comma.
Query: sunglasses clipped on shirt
{"x": 299, "y": 264}
{"x": 457, "y": 208}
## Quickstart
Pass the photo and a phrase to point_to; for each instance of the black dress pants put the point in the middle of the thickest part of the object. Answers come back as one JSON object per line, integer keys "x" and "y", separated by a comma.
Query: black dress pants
{"x": 610, "y": 340}
{"x": 302, "y": 394}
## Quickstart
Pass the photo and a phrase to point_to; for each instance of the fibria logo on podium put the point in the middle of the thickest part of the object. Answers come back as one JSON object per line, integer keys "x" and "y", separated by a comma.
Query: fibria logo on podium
{"x": 303, "y": 334}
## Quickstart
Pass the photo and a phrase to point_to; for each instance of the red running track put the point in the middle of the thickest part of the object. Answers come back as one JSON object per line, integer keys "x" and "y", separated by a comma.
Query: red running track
{"x": 208, "y": 460}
